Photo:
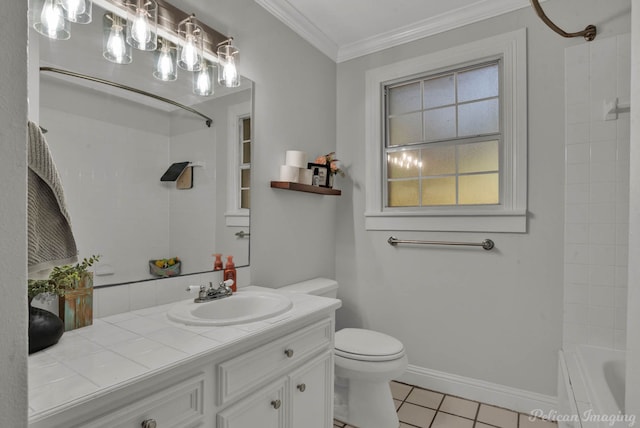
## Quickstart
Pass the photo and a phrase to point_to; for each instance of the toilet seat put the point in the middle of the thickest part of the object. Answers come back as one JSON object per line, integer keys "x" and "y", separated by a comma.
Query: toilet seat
{"x": 366, "y": 345}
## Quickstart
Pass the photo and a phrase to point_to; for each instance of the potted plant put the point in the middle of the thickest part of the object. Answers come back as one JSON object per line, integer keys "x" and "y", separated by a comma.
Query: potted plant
{"x": 46, "y": 328}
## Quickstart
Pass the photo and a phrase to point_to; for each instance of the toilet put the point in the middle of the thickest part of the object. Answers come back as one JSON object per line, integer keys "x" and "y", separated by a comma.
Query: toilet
{"x": 365, "y": 362}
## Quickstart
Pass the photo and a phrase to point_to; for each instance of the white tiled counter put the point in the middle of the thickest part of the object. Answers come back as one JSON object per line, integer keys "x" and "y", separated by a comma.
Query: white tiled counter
{"x": 96, "y": 372}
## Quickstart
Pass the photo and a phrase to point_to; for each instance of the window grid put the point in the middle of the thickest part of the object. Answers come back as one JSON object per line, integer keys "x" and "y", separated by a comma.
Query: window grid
{"x": 245, "y": 142}
{"x": 456, "y": 140}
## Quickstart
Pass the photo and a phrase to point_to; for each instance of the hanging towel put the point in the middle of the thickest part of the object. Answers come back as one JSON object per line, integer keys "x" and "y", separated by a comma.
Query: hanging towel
{"x": 50, "y": 239}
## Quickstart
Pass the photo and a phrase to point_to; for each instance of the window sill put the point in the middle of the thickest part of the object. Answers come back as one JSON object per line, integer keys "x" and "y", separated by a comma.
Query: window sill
{"x": 511, "y": 222}
{"x": 238, "y": 218}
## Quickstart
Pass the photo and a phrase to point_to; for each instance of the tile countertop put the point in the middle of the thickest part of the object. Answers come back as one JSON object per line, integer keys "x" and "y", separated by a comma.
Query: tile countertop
{"x": 117, "y": 350}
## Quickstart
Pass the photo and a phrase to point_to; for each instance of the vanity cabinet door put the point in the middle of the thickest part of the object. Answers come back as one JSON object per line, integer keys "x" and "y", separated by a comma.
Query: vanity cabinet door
{"x": 266, "y": 408}
{"x": 311, "y": 393}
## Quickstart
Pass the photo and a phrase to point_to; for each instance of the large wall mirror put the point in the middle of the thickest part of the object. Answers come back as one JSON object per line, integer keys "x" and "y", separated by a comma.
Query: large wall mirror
{"x": 111, "y": 148}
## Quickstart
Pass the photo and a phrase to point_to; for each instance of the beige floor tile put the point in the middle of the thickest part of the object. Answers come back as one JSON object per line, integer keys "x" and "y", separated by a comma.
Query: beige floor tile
{"x": 425, "y": 398}
{"x": 445, "y": 420}
{"x": 496, "y": 416}
{"x": 526, "y": 422}
{"x": 459, "y": 407}
{"x": 416, "y": 415}
{"x": 397, "y": 403}
{"x": 399, "y": 391}
{"x": 403, "y": 425}
{"x": 481, "y": 425}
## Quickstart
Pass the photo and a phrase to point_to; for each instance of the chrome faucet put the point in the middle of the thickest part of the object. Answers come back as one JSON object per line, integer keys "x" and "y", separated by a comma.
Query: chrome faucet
{"x": 206, "y": 294}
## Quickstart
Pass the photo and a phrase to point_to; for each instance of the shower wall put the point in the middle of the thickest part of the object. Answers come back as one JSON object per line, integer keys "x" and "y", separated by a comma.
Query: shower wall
{"x": 597, "y": 193}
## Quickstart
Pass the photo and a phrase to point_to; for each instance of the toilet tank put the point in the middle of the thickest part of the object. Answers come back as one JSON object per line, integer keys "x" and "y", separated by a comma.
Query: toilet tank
{"x": 317, "y": 286}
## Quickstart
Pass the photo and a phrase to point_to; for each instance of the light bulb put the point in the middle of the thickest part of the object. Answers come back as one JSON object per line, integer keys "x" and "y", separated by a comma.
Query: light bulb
{"x": 74, "y": 8}
{"x": 230, "y": 73}
{"x": 165, "y": 65}
{"x": 115, "y": 44}
{"x": 51, "y": 18}
{"x": 189, "y": 53}
{"x": 140, "y": 29}
{"x": 203, "y": 83}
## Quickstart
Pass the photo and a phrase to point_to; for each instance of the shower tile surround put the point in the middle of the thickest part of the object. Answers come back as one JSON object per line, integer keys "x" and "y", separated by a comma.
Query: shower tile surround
{"x": 422, "y": 408}
{"x": 597, "y": 194}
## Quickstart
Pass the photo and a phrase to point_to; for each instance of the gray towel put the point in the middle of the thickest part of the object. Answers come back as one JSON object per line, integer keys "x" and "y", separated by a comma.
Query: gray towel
{"x": 50, "y": 239}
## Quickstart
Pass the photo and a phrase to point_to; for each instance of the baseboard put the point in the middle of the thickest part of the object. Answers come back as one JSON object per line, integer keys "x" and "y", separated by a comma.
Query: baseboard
{"x": 479, "y": 390}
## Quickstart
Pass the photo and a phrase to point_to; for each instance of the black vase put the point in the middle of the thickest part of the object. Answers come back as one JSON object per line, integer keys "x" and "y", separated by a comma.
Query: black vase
{"x": 45, "y": 329}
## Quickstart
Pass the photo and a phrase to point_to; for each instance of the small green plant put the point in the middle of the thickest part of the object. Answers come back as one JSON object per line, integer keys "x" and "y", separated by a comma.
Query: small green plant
{"x": 60, "y": 278}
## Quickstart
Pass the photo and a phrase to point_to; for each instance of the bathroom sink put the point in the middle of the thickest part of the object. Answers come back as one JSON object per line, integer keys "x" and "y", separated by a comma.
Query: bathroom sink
{"x": 242, "y": 307}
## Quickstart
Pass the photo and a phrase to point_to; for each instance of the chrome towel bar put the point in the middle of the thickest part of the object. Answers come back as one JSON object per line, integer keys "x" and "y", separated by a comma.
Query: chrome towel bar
{"x": 487, "y": 244}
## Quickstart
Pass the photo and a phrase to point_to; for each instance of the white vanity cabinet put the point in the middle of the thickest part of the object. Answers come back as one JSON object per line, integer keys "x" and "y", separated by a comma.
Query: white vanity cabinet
{"x": 298, "y": 373}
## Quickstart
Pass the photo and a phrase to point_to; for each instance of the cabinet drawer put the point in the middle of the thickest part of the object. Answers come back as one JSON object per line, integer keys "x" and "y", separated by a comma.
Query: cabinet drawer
{"x": 179, "y": 406}
{"x": 240, "y": 374}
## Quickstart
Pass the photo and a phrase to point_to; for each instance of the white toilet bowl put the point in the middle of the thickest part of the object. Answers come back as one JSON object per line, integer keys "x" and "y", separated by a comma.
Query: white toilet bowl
{"x": 365, "y": 362}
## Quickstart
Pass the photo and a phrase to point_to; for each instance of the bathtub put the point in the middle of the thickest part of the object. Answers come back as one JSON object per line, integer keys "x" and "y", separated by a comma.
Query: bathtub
{"x": 591, "y": 388}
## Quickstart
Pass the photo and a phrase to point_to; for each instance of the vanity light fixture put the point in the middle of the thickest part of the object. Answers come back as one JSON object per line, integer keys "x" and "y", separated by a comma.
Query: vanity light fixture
{"x": 203, "y": 79}
{"x": 191, "y": 46}
{"x": 114, "y": 46}
{"x": 228, "y": 62}
{"x": 48, "y": 19}
{"x": 142, "y": 24}
{"x": 165, "y": 63}
{"x": 78, "y": 11}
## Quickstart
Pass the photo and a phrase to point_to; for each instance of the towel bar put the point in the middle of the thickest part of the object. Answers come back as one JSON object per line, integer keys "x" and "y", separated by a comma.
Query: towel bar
{"x": 487, "y": 244}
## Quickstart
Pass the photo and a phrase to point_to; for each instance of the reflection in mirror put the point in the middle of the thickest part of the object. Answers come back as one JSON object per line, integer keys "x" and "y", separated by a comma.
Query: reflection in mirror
{"x": 111, "y": 147}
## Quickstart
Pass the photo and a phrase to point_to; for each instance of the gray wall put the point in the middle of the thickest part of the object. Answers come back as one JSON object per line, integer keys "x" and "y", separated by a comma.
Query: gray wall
{"x": 13, "y": 184}
{"x": 496, "y": 316}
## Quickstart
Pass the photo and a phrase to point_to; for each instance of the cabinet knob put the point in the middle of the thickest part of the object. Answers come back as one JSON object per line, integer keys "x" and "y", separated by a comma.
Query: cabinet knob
{"x": 302, "y": 387}
{"x": 276, "y": 404}
{"x": 288, "y": 352}
{"x": 149, "y": 423}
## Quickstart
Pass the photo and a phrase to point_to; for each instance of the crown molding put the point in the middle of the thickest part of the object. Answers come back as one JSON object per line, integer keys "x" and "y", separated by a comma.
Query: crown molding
{"x": 290, "y": 16}
{"x": 478, "y": 11}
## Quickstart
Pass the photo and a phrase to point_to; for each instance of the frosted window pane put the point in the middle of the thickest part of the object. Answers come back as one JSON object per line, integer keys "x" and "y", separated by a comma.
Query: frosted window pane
{"x": 439, "y": 191}
{"x": 246, "y": 129}
{"x": 478, "y": 118}
{"x": 440, "y": 123}
{"x": 245, "y": 180}
{"x": 403, "y": 164}
{"x": 478, "y": 189}
{"x": 405, "y": 129}
{"x": 403, "y": 193}
{"x": 477, "y": 84}
{"x": 246, "y": 152}
{"x": 439, "y": 160}
{"x": 439, "y": 92}
{"x": 478, "y": 157}
{"x": 245, "y": 199}
{"x": 403, "y": 99}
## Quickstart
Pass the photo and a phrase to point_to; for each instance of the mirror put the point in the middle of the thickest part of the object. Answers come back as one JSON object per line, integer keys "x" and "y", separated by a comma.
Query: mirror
{"x": 111, "y": 148}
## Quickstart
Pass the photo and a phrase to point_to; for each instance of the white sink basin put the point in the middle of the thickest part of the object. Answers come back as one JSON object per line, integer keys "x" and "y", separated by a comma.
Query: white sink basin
{"x": 242, "y": 307}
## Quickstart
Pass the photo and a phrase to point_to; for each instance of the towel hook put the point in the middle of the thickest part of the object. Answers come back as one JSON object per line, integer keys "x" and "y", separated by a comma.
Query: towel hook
{"x": 589, "y": 33}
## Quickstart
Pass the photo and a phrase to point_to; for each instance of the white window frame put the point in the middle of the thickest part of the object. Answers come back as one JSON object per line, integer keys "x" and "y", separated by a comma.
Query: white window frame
{"x": 234, "y": 215}
{"x": 508, "y": 216}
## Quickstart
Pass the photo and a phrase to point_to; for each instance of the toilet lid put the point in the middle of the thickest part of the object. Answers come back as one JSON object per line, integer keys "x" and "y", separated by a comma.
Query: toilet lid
{"x": 367, "y": 345}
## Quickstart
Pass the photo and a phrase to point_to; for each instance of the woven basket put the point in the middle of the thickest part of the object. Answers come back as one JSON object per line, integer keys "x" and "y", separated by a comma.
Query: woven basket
{"x": 164, "y": 272}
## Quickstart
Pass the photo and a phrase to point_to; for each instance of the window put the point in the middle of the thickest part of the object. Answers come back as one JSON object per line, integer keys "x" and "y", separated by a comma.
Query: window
{"x": 239, "y": 142}
{"x": 446, "y": 146}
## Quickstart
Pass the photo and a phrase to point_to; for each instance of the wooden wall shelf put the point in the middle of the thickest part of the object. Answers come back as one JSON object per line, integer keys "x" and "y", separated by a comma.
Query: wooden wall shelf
{"x": 287, "y": 185}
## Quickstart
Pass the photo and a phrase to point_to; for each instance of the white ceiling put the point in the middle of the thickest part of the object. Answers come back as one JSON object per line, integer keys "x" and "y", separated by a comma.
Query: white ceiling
{"x": 346, "y": 29}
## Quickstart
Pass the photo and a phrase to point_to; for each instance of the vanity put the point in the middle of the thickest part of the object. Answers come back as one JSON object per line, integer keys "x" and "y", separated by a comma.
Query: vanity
{"x": 141, "y": 369}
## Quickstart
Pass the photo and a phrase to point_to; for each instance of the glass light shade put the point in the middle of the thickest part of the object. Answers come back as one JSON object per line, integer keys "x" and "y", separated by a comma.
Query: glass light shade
{"x": 203, "y": 80}
{"x": 78, "y": 11}
{"x": 228, "y": 73}
{"x": 114, "y": 46}
{"x": 165, "y": 62}
{"x": 190, "y": 57}
{"x": 48, "y": 19}
{"x": 142, "y": 25}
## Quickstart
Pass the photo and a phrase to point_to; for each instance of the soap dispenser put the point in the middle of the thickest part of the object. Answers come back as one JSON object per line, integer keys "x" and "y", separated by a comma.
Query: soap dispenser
{"x": 217, "y": 264}
{"x": 230, "y": 272}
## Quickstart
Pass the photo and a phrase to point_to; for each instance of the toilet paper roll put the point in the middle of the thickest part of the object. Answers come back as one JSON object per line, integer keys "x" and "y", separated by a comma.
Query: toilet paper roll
{"x": 289, "y": 173}
{"x": 296, "y": 158}
{"x": 305, "y": 176}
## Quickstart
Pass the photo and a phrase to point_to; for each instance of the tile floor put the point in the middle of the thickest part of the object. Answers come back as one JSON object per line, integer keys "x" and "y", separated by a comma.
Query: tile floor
{"x": 422, "y": 408}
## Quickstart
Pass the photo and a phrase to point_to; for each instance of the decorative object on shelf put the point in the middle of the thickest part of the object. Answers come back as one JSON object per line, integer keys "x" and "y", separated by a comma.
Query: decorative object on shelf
{"x": 165, "y": 267}
{"x": 333, "y": 165}
{"x": 46, "y": 328}
{"x": 75, "y": 308}
{"x": 320, "y": 174}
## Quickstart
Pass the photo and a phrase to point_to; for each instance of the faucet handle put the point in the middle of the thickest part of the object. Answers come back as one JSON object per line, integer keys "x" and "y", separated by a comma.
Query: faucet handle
{"x": 192, "y": 288}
